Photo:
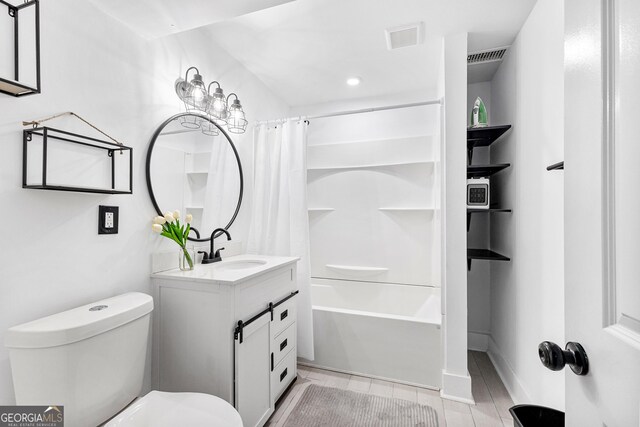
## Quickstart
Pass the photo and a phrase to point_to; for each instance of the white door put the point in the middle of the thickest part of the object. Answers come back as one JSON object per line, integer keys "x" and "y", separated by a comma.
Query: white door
{"x": 602, "y": 209}
{"x": 253, "y": 372}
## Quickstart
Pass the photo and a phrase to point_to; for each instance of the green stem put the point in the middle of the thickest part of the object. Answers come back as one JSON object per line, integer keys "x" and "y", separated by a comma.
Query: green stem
{"x": 187, "y": 256}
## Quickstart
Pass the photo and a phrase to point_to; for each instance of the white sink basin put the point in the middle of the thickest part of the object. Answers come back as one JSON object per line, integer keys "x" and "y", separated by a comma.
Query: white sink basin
{"x": 241, "y": 264}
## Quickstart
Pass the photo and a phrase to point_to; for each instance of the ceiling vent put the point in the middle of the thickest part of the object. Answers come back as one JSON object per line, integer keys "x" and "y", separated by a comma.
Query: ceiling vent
{"x": 487, "y": 56}
{"x": 404, "y": 36}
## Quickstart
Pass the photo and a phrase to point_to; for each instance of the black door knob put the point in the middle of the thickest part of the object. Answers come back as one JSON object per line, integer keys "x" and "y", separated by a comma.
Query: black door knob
{"x": 555, "y": 358}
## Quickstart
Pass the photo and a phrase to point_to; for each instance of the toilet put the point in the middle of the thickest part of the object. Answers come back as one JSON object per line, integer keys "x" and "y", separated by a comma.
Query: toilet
{"x": 91, "y": 360}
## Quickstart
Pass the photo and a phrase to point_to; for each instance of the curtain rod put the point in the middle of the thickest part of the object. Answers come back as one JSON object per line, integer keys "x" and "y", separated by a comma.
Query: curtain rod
{"x": 363, "y": 110}
{"x": 371, "y": 110}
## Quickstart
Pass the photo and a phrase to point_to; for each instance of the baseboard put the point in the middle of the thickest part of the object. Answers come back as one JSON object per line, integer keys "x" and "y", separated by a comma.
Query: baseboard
{"x": 456, "y": 387}
{"x": 478, "y": 341}
{"x": 507, "y": 375}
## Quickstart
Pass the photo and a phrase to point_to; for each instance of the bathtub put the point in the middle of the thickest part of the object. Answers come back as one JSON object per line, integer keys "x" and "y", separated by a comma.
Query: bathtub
{"x": 384, "y": 331}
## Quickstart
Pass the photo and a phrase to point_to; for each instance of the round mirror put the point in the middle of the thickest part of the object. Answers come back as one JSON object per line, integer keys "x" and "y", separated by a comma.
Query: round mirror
{"x": 193, "y": 166}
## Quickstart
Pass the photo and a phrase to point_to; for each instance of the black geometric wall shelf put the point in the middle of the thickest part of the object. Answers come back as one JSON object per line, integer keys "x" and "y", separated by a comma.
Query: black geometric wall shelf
{"x": 54, "y": 159}
{"x": 25, "y": 46}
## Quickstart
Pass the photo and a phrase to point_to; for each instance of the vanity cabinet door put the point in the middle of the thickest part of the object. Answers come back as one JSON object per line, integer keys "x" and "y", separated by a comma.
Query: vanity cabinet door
{"x": 253, "y": 373}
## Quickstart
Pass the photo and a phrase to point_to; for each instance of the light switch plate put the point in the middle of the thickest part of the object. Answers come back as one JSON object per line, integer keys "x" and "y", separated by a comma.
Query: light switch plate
{"x": 108, "y": 219}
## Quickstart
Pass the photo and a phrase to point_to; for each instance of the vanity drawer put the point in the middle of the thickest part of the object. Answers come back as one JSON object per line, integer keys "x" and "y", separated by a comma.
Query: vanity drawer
{"x": 283, "y": 316}
{"x": 283, "y": 344}
{"x": 283, "y": 374}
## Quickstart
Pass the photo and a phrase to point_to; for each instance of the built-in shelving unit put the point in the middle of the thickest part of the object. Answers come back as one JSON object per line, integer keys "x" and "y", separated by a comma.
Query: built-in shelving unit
{"x": 484, "y": 137}
{"x": 480, "y": 171}
{"x": 373, "y": 166}
{"x": 196, "y": 169}
{"x": 484, "y": 254}
{"x": 356, "y": 270}
{"x": 321, "y": 209}
{"x": 400, "y": 209}
{"x": 370, "y": 201}
{"x": 490, "y": 211}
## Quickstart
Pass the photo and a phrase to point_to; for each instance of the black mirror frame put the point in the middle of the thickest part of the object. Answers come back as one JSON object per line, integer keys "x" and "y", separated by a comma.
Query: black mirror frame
{"x": 155, "y": 136}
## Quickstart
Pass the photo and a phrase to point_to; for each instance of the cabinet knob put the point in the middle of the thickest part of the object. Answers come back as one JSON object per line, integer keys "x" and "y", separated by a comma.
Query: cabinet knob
{"x": 553, "y": 357}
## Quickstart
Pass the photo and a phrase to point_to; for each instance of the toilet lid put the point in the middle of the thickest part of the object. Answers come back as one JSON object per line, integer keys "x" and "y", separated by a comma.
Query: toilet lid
{"x": 162, "y": 409}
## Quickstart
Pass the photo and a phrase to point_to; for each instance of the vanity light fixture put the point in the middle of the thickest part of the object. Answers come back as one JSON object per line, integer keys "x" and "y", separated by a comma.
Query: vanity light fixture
{"x": 217, "y": 103}
{"x": 236, "y": 121}
{"x": 353, "y": 81}
{"x": 199, "y": 100}
{"x": 194, "y": 93}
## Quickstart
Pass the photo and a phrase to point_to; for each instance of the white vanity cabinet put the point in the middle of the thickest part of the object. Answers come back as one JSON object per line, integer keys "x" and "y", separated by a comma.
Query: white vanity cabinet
{"x": 228, "y": 329}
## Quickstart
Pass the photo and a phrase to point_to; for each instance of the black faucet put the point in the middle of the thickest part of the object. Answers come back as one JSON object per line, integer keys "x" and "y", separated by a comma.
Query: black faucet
{"x": 193, "y": 229}
{"x": 214, "y": 256}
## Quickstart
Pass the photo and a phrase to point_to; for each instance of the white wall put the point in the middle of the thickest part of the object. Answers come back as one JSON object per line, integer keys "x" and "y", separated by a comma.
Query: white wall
{"x": 527, "y": 293}
{"x": 478, "y": 278}
{"x": 52, "y": 257}
{"x": 456, "y": 383}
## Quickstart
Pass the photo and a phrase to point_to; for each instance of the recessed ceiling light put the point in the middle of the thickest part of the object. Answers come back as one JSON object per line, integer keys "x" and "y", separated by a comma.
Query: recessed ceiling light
{"x": 353, "y": 81}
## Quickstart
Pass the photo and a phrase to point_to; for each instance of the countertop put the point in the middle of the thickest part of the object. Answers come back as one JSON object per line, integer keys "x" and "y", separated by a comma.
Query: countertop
{"x": 226, "y": 272}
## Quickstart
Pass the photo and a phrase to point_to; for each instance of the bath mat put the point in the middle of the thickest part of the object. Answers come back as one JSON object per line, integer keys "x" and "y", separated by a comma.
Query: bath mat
{"x": 328, "y": 406}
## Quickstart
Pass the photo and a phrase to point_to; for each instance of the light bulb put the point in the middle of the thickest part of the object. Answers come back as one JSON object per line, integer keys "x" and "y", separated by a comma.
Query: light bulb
{"x": 218, "y": 105}
{"x": 197, "y": 93}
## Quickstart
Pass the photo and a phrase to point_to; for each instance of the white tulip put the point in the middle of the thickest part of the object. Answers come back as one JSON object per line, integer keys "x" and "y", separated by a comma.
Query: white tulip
{"x": 169, "y": 217}
{"x": 188, "y": 218}
{"x": 157, "y": 228}
{"x": 159, "y": 220}
{"x": 176, "y": 214}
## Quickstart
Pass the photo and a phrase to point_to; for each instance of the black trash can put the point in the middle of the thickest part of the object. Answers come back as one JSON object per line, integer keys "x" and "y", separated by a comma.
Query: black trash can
{"x": 536, "y": 416}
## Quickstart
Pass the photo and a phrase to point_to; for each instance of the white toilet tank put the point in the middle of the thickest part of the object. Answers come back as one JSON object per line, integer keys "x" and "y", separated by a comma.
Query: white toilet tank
{"x": 90, "y": 359}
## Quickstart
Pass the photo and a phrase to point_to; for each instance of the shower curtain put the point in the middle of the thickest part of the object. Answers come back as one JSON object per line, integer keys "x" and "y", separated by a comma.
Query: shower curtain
{"x": 280, "y": 222}
{"x": 222, "y": 187}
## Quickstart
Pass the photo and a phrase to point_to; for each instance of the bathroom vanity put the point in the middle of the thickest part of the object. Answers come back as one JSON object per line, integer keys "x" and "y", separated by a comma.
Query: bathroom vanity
{"x": 228, "y": 329}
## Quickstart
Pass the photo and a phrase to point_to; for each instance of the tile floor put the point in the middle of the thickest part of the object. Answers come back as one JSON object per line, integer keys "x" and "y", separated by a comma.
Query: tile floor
{"x": 491, "y": 408}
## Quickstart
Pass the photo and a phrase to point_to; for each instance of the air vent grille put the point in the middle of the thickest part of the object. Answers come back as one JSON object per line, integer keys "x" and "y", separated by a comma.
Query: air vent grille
{"x": 486, "y": 56}
{"x": 404, "y": 36}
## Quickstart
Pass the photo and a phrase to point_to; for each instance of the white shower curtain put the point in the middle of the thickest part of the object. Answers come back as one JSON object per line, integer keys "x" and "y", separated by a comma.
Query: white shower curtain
{"x": 280, "y": 222}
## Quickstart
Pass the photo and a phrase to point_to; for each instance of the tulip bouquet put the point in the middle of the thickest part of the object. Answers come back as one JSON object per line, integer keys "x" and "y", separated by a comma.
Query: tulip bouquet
{"x": 169, "y": 226}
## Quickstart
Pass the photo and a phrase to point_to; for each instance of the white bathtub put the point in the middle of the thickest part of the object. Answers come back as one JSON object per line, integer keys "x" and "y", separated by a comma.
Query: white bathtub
{"x": 378, "y": 330}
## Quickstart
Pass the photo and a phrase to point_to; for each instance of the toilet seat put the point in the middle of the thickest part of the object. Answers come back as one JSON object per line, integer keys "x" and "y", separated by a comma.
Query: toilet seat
{"x": 162, "y": 409}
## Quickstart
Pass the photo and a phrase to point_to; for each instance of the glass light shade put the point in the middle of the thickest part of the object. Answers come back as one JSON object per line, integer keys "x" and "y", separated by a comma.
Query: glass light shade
{"x": 191, "y": 121}
{"x": 196, "y": 95}
{"x": 209, "y": 128}
{"x": 236, "y": 121}
{"x": 218, "y": 104}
